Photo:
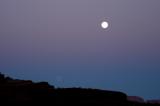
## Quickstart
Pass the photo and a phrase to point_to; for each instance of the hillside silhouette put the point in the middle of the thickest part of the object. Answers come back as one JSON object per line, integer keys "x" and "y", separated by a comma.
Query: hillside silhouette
{"x": 27, "y": 92}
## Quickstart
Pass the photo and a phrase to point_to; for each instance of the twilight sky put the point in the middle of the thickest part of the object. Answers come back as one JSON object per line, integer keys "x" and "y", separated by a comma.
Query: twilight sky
{"x": 61, "y": 41}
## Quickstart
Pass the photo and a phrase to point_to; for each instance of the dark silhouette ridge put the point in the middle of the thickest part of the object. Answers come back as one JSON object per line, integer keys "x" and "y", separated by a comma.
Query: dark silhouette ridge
{"x": 26, "y": 92}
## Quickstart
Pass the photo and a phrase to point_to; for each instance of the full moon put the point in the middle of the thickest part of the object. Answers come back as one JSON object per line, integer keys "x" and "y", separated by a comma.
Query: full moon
{"x": 104, "y": 25}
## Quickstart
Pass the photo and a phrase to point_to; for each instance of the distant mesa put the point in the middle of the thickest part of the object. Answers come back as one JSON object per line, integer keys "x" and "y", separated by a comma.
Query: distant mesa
{"x": 135, "y": 99}
{"x": 153, "y": 101}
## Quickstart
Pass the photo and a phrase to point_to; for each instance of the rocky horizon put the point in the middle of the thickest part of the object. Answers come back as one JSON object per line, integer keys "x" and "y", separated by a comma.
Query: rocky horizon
{"x": 15, "y": 91}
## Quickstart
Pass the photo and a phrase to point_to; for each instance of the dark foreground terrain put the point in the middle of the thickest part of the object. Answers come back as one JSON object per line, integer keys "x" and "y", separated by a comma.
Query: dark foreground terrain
{"x": 26, "y": 92}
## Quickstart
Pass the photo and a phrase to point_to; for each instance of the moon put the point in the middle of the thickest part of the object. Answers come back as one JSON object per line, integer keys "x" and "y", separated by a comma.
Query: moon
{"x": 104, "y": 24}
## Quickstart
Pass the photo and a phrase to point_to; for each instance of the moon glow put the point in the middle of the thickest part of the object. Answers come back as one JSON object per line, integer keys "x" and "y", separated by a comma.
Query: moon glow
{"x": 104, "y": 24}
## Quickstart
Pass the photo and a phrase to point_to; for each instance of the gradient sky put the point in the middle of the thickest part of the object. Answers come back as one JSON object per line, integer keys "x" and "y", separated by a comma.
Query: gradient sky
{"x": 61, "y": 41}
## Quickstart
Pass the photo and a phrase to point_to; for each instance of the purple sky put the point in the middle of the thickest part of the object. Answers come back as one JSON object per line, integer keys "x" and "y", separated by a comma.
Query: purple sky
{"x": 61, "y": 41}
